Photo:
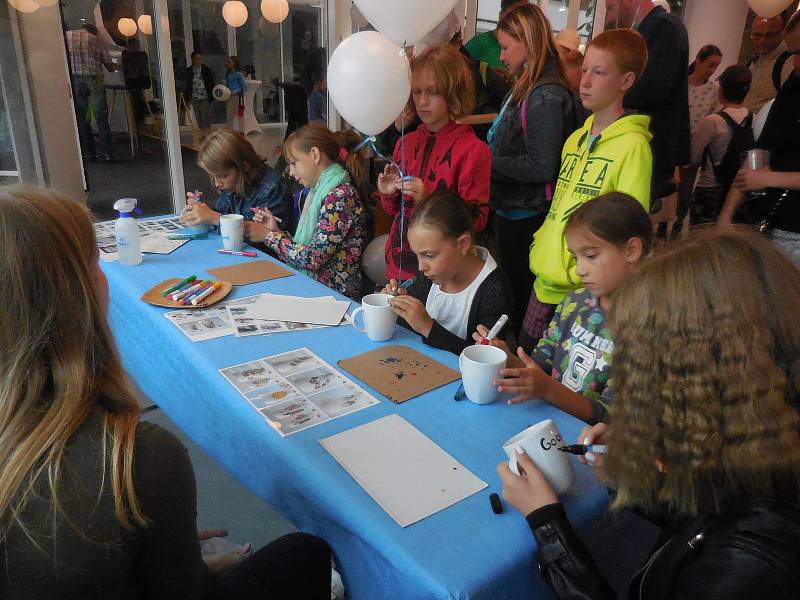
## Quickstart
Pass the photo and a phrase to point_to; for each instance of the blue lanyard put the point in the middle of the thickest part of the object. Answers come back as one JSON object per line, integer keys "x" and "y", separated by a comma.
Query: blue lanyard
{"x": 496, "y": 122}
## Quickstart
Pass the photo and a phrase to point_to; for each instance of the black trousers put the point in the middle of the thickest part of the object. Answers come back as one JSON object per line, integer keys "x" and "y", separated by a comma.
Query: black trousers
{"x": 513, "y": 238}
{"x": 297, "y": 565}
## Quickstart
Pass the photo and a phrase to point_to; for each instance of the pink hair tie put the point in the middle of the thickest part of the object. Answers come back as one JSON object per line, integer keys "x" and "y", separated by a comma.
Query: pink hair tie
{"x": 343, "y": 154}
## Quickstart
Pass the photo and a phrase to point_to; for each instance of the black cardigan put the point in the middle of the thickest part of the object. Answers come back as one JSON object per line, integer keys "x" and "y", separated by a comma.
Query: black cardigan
{"x": 208, "y": 79}
{"x": 492, "y": 299}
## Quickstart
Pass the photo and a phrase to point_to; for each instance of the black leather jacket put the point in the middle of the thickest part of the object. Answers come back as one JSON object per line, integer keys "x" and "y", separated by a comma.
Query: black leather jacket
{"x": 748, "y": 556}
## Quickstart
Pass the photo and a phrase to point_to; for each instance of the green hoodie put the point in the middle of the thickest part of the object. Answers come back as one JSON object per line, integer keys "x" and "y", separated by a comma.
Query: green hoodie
{"x": 619, "y": 160}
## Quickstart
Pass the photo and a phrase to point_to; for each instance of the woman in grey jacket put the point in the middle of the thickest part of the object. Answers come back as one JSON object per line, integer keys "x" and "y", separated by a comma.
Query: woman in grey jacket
{"x": 526, "y": 140}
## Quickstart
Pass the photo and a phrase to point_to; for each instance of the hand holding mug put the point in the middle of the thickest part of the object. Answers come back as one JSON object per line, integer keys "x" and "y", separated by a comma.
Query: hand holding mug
{"x": 413, "y": 311}
{"x": 393, "y": 289}
{"x": 527, "y": 382}
{"x": 748, "y": 180}
{"x": 530, "y": 489}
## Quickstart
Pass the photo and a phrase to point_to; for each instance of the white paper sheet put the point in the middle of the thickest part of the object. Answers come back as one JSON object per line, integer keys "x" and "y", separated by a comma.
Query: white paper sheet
{"x": 273, "y": 307}
{"x": 408, "y": 475}
{"x": 153, "y": 237}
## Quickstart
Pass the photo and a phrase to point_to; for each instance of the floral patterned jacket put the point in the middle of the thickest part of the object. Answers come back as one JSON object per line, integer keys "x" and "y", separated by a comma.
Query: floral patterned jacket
{"x": 334, "y": 255}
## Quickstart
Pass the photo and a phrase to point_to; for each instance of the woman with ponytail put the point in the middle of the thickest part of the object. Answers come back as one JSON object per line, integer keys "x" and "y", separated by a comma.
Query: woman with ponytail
{"x": 329, "y": 239}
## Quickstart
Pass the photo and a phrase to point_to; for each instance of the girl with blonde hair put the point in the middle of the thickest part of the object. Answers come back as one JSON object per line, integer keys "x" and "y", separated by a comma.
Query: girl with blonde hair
{"x": 705, "y": 427}
{"x": 245, "y": 182}
{"x": 93, "y": 503}
{"x": 526, "y": 138}
{"x": 329, "y": 239}
{"x": 440, "y": 154}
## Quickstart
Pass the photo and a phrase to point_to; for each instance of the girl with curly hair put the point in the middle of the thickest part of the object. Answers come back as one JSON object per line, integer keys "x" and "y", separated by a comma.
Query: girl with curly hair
{"x": 705, "y": 425}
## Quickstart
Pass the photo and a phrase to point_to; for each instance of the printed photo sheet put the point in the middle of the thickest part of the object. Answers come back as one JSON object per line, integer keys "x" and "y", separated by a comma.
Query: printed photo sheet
{"x": 230, "y": 317}
{"x": 153, "y": 237}
{"x": 296, "y": 390}
{"x": 245, "y": 323}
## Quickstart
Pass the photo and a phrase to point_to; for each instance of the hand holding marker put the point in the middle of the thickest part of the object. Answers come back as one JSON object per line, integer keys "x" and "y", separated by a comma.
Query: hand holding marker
{"x": 501, "y": 322}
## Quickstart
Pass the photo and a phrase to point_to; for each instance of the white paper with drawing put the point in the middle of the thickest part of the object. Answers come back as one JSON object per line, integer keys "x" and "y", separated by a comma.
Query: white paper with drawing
{"x": 424, "y": 478}
{"x": 273, "y": 307}
{"x": 296, "y": 390}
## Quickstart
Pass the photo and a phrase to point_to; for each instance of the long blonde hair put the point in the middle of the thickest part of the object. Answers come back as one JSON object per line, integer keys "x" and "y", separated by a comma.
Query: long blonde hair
{"x": 706, "y": 373}
{"x": 527, "y": 23}
{"x": 58, "y": 361}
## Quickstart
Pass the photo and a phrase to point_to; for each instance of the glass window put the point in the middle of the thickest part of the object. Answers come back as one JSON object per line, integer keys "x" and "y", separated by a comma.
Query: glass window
{"x": 488, "y": 12}
{"x": 8, "y": 163}
{"x": 586, "y": 19}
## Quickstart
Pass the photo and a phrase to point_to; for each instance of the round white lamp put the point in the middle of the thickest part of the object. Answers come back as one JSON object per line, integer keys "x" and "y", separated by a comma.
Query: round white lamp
{"x": 235, "y": 13}
{"x": 146, "y": 24}
{"x": 275, "y": 11}
{"x": 24, "y": 6}
{"x": 127, "y": 27}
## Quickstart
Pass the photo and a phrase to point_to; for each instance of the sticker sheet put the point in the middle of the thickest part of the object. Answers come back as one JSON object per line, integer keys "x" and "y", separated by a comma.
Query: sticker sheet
{"x": 153, "y": 236}
{"x": 296, "y": 390}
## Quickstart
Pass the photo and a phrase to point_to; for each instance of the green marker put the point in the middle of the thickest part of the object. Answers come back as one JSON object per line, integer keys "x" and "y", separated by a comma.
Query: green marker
{"x": 178, "y": 285}
{"x": 188, "y": 236}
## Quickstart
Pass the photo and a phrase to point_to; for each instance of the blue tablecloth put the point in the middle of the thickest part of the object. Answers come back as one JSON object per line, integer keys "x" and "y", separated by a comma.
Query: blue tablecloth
{"x": 465, "y": 551}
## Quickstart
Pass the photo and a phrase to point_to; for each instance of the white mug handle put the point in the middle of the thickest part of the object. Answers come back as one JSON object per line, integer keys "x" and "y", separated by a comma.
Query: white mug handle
{"x": 460, "y": 362}
{"x": 360, "y": 309}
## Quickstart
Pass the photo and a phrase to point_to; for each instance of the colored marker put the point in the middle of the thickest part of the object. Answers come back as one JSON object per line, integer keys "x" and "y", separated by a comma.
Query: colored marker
{"x": 237, "y": 253}
{"x": 188, "y": 299}
{"x": 178, "y": 285}
{"x": 185, "y": 287}
{"x": 581, "y": 449}
{"x": 187, "y": 236}
{"x": 261, "y": 211}
{"x": 406, "y": 284}
{"x": 497, "y": 506}
{"x": 183, "y": 293}
{"x": 205, "y": 294}
{"x": 501, "y": 322}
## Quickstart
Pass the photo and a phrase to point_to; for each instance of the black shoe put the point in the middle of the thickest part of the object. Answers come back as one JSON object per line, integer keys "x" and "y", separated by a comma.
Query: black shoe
{"x": 109, "y": 160}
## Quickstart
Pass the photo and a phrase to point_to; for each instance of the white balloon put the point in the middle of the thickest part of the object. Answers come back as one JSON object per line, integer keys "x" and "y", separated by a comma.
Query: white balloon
{"x": 761, "y": 119}
{"x": 769, "y": 8}
{"x": 369, "y": 81}
{"x": 405, "y": 21}
{"x": 274, "y": 11}
{"x": 374, "y": 260}
{"x": 221, "y": 93}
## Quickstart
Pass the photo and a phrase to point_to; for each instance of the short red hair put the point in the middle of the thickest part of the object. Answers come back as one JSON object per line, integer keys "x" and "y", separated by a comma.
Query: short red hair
{"x": 628, "y": 48}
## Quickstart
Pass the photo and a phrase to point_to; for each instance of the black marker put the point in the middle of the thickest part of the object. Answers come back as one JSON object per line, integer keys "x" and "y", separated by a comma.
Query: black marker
{"x": 582, "y": 449}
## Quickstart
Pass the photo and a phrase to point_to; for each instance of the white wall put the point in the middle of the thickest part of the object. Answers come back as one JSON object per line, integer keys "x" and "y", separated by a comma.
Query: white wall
{"x": 718, "y": 22}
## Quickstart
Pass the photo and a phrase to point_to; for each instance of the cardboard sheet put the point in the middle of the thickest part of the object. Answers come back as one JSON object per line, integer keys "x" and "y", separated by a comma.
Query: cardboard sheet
{"x": 315, "y": 311}
{"x": 250, "y": 272}
{"x": 408, "y": 475}
{"x": 398, "y": 372}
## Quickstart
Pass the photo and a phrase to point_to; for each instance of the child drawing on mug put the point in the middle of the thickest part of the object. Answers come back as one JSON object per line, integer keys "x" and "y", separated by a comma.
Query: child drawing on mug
{"x": 462, "y": 285}
{"x": 571, "y": 365}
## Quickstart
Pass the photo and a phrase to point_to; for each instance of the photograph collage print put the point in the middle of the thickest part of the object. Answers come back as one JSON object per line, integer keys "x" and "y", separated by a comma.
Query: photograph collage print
{"x": 296, "y": 390}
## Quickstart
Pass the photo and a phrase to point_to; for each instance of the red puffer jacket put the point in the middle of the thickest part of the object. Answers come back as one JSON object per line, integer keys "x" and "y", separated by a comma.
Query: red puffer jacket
{"x": 452, "y": 158}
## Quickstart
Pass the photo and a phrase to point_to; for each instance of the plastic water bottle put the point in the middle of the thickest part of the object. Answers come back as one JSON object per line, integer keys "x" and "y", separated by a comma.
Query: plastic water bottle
{"x": 127, "y": 231}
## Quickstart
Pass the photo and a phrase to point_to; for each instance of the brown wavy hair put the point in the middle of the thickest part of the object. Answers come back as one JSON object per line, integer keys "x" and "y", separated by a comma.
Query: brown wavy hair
{"x": 227, "y": 149}
{"x": 58, "y": 361}
{"x": 527, "y": 23}
{"x": 317, "y": 135}
{"x": 706, "y": 373}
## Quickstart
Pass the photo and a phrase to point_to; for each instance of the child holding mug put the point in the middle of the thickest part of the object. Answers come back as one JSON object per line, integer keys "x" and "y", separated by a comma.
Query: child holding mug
{"x": 460, "y": 285}
{"x": 571, "y": 365}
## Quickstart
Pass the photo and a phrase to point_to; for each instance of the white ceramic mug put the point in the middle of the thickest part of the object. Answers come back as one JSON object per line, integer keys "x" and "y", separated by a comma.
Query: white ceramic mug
{"x": 232, "y": 229}
{"x": 541, "y": 443}
{"x": 379, "y": 318}
{"x": 480, "y": 366}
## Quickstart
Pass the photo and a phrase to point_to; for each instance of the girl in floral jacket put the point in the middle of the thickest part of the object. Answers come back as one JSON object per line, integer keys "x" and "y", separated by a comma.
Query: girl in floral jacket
{"x": 329, "y": 239}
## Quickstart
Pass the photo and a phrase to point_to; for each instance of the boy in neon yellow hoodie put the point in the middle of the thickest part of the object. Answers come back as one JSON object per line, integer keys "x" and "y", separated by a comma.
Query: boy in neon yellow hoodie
{"x": 610, "y": 153}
